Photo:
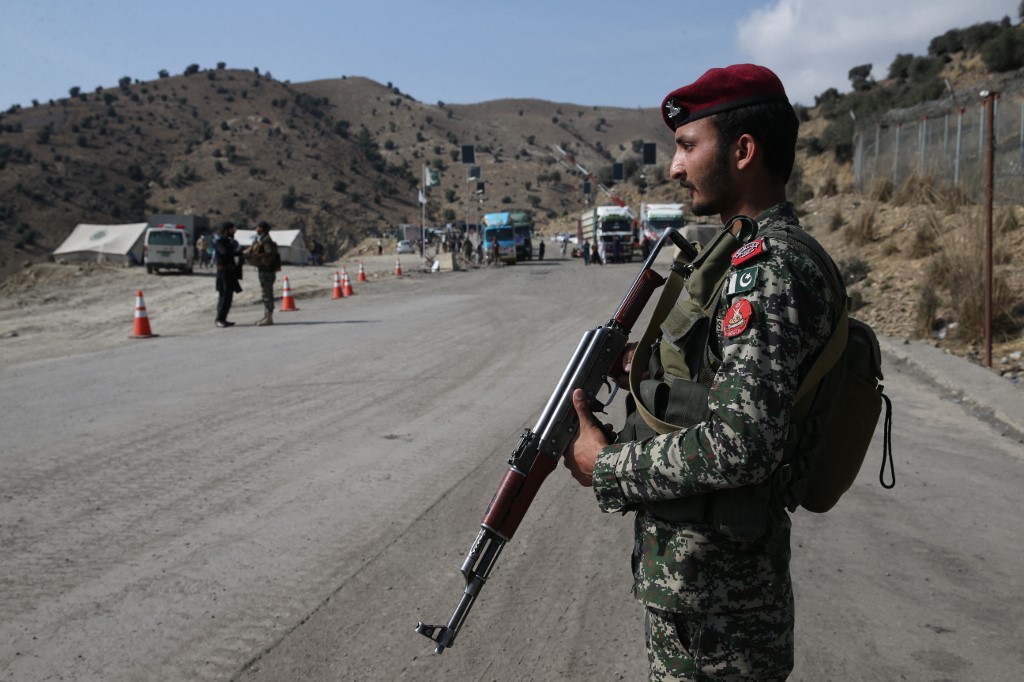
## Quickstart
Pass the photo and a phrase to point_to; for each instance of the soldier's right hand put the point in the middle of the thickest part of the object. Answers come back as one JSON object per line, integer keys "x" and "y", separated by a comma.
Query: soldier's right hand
{"x": 620, "y": 370}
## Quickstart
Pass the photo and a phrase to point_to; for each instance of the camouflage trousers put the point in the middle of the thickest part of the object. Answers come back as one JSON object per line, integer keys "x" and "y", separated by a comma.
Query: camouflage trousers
{"x": 749, "y": 645}
{"x": 267, "y": 278}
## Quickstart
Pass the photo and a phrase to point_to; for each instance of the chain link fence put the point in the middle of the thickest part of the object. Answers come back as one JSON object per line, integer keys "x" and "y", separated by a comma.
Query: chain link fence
{"x": 944, "y": 142}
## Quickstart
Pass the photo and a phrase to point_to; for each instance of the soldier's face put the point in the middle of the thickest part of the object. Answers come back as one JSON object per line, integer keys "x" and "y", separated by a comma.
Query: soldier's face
{"x": 701, "y": 166}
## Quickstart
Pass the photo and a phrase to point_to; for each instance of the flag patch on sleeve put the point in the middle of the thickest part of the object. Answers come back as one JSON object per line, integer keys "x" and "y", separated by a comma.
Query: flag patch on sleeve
{"x": 742, "y": 281}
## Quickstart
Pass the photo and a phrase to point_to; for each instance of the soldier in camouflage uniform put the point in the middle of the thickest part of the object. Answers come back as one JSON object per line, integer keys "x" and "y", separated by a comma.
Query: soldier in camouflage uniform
{"x": 262, "y": 254}
{"x": 712, "y": 549}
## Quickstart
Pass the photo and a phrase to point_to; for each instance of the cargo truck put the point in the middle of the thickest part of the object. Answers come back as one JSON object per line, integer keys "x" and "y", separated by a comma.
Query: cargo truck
{"x": 654, "y": 218}
{"x": 522, "y": 227}
{"x": 497, "y": 227}
{"x": 614, "y": 227}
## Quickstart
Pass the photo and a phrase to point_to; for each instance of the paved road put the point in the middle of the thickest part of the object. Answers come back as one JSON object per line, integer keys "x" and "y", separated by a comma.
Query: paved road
{"x": 286, "y": 503}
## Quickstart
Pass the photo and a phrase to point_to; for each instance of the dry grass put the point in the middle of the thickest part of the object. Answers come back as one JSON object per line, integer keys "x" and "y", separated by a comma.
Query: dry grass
{"x": 927, "y": 307}
{"x": 925, "y": 238}
{"x": 862, "y": 231}
{"x": 1005, "y": 222}
{"x": 881, "y": 190}
{"x": 915, "y": 190}
{"x": 890, "y": 248}
{"x": 836, "y": 221}
{"x": 953, "y": 197}
{"x": 958, "y": 270}
{"x": 925, "y": 190}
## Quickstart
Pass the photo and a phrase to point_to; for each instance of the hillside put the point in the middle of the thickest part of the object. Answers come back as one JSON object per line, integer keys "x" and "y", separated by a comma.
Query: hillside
{"x": 340, "y": 158}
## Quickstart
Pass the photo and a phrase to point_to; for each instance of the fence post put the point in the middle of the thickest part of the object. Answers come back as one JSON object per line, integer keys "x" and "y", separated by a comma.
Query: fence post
{"x": 896, "y": 156}
{"x": 956, "y": 160}
{"x": 858, "y": 162}
{"x": 982, "y": 112}
{"x": 945, "y": 136}
{"x": 922, "y": 137}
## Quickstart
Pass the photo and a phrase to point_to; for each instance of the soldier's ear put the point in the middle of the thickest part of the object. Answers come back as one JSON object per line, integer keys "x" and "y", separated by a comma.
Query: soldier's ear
{"x": 746, "y": 149}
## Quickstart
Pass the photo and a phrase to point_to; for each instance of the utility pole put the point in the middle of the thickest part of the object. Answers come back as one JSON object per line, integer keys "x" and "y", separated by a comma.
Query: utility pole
{"x": 990, "y": 147}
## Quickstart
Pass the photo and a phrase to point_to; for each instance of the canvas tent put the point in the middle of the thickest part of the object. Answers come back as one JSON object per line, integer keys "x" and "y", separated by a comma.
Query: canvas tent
{"x": 103, "y": 243}
{"x": 290, "y": 244}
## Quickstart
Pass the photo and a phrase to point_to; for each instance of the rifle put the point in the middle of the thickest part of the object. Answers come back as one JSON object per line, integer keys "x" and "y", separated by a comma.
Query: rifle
{"x": 538, "y": 450}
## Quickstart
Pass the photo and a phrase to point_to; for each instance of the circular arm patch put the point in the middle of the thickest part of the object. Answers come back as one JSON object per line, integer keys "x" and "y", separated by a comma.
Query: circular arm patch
{"x": 737, "y": 317}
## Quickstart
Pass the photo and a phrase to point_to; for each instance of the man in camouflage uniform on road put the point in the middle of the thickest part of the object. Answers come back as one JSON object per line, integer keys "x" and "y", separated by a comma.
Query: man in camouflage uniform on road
{"x": 264, "y": 255}
{"x": 711, "y": 557}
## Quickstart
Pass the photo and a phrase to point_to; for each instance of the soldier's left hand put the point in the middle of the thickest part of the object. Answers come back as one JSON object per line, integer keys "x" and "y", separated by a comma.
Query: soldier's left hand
{"x": 581, "y": 454}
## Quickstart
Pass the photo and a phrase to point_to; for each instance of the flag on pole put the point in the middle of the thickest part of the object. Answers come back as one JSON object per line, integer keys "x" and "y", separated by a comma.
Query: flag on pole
{"x": 423, "y": 197}
{"x": 430, "y": 177}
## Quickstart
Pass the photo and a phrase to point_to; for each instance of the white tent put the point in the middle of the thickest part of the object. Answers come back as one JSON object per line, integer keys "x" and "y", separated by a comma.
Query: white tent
{"x": 110, "y": 243}
{"x": 290, "y": 244}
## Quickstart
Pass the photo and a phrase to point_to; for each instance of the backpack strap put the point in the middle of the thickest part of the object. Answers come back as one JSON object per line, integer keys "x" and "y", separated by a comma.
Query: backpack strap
{"x": 836, "y": 344}
{"x": 642, "y": 354}
{"x": 827, "y": 358}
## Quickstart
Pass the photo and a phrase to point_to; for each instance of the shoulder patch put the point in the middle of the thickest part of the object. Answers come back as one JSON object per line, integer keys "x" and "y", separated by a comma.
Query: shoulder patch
{"x": 737, "y": 317}
{"x": 749, "y": 250}
{"x": 742, "y": 281}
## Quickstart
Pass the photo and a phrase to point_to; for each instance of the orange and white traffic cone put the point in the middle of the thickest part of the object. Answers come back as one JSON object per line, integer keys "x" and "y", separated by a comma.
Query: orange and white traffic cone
{"x": 346, "y": 283}
{"x": 287, "y": 301}
{"x": 398, "y": 267}
{"x": 337, "y": 293}
{"x": 140, "y": 329}
{"x": 361, "y": 275}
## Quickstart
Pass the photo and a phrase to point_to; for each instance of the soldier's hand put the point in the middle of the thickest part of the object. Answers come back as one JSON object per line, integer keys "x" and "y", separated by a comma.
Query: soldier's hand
{"x": 620, "y": 372}
{"x": 581, "y": 454}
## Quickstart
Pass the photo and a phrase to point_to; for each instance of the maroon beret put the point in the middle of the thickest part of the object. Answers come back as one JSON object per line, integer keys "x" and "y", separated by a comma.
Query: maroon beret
{"x": 718, "y": 90}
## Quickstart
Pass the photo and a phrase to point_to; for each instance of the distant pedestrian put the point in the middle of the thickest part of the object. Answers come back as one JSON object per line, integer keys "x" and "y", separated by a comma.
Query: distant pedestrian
{"x": 596, "y": 254}
{"x": 586, "y": 252}
{"x": 203, "y": 251}
{"x": 229, "y": 271}
{"x": 565, "y": 242}
{"x": 540, "y": 250}
{"x": 380, "y": 246}
{"x": 263, "y": 254}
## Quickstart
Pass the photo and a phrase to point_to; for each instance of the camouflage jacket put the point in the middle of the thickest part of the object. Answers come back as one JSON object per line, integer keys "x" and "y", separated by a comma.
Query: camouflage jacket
{"x": 262, "y": 254}
{"x": 774, "y": 314}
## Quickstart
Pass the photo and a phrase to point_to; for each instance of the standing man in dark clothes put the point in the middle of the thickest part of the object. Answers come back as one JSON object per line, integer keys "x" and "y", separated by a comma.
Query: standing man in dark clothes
{"x": 225, "y": 256}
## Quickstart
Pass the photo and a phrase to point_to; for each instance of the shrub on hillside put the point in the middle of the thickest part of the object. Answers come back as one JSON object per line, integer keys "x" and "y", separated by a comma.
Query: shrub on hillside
{"x": 1005, "y": 51}
{"x": 854, "y": 269}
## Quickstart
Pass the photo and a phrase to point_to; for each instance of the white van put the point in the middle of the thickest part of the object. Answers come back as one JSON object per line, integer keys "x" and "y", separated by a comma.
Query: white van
{"x": 168, "y": 247}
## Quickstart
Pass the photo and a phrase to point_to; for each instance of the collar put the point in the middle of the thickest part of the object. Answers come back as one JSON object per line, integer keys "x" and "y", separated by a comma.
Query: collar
{"x": 780, "y": 214}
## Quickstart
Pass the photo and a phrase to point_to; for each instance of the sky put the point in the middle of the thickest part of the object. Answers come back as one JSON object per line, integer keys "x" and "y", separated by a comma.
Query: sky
{"x": 595, "y": 52}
